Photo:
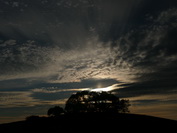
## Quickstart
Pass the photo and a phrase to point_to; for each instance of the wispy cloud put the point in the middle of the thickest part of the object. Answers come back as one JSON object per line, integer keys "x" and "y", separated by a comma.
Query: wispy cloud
{"x": 26, "y": 99}
{"x": 93, "y": 61}
{"x": 15, "y": 99}
{"x": 48, "y": 93}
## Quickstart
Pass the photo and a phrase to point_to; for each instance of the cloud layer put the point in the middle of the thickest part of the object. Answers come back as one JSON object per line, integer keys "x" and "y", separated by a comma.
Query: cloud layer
{"x": 95, "y": 40}
{"x": 146, "y": 55}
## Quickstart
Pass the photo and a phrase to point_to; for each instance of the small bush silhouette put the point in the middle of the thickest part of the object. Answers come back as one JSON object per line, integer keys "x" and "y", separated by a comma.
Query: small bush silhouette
{"x": 55, "y": 111}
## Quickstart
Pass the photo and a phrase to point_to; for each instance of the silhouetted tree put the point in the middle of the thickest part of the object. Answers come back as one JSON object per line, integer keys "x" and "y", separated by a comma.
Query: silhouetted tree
{"x": 124, "y": 106}
{"x": 87, "y": 101}
{"x": 55, "y": 111}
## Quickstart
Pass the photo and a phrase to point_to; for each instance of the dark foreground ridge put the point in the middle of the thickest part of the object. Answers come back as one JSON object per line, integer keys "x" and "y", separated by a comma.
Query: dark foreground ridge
{"x": 90, "y": 122}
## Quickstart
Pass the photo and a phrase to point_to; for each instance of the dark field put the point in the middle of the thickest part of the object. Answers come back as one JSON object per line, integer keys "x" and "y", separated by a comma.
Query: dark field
{"x": 91, "y": 122}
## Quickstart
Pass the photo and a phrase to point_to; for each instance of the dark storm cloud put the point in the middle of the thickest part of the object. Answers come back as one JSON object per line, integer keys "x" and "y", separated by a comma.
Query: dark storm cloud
{"x": 58, "y": 37}
{"x": 120, "y": 17}
{"x": 151, "y": 44}
{"x": 151, "y": 50}
{"x": 37, "y": 28}
{"x": 46, "y": 21}
{"x": 70, "y": 22}
{"x": 65, "y": 23}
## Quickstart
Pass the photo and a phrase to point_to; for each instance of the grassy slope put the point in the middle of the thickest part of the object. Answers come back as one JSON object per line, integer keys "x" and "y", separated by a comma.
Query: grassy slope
{"x": 92, "y": 122}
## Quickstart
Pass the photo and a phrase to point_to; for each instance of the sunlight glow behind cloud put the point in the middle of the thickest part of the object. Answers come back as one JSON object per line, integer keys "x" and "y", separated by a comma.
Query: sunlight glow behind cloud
{"x": 109, "y": 88}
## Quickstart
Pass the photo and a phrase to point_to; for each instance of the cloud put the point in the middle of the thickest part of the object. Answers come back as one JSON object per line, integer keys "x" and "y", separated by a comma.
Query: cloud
{"x": 157, "y": 104}
{"x": 30, "y": 60}
{"x": 22, "y": 58}
{"x": 59, "y": 45}
{"x": 7, "y": 43}
{"x": 150, "y": 52}
{"x": 72, "y": 53}
{"x": 63, "y": 23}
{"x": 140, "y": 54}
{"x": 154, "y": 98}
{"x": 13, "y": 99}
{"x": 52, "y": 87}
{"x": 23, "y": 93}
{"x": 151, "y": 47}
{"x": 61, "y": 51}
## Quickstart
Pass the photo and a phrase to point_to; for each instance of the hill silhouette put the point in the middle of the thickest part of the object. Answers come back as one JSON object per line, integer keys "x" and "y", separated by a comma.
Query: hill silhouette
{"x": 90, "y": 122}
{"x": 91, "y": 112}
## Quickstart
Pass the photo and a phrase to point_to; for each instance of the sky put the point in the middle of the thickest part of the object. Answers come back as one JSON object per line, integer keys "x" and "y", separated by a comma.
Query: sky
{"x": 50, "y": 49}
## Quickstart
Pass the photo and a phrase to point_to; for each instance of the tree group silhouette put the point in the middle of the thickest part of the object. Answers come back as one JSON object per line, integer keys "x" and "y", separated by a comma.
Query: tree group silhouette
{"x": 90, "y": 101}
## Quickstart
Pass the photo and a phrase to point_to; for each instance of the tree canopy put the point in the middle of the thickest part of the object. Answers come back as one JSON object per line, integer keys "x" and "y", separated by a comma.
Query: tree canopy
{"x": 89, "y": 101}
{"x": 55, "y": 111}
